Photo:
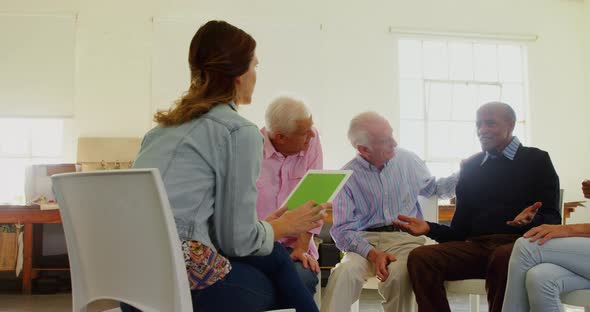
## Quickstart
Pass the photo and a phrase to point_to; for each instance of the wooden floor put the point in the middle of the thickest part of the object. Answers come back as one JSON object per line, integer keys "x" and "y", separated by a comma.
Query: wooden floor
{"x": 370, "y": 302}
{"x": 47, "y": 303}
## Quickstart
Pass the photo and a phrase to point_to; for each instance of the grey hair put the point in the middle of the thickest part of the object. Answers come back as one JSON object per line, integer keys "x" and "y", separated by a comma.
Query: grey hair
{"x": 281, "y": 115}
{"x": 358, "y": 133}
{"x": 509, "y": 112}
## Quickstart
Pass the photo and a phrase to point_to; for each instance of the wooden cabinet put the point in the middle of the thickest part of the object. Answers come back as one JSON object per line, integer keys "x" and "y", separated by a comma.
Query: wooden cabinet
{"x": 33, "y": 219}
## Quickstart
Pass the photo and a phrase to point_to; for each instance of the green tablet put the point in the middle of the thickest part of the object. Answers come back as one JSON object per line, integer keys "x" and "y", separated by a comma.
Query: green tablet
{"x": 321, "y": 186}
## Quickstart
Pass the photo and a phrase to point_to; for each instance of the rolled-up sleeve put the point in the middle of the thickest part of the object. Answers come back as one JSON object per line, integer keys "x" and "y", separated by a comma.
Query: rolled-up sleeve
{"x": 237, "y": 227}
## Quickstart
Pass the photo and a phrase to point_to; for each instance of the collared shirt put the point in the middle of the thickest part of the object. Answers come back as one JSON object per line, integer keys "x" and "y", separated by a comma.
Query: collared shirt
{"x": 508, "y": 152}
{"x": 209, "y": 167}
{"x": 278, "y": 177}
{"x": 373, "y": 198}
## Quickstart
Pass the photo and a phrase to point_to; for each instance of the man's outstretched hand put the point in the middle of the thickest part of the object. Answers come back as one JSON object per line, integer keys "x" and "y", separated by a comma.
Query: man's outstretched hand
{"x": 411, "y": 225}
{"x": 526, "y": 216}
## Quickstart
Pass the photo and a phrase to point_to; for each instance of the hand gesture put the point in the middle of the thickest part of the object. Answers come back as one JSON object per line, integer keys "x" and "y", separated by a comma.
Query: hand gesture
{"x": 276, "y": 214}
{"x": 546, "y": 232}
{"x": 586, "y": 188}
{"x": 381, "y": 260}
{"x": 306, "y": 259}
{"x": 294, "y": 222}
{"x": 411, "y": 225}
{"x": 526, "y": 216}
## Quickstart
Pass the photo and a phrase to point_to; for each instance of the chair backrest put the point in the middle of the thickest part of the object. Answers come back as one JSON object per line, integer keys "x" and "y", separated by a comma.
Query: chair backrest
{"x": 561, "y": 206}
{"x": 429, "y": 207}
{"x": 580, "y": 298}
{"x": 122, "y": 241}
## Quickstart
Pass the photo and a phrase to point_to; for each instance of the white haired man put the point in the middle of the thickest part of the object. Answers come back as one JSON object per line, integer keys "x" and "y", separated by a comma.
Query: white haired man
{"x": 386, "y": 183}
{"x": 291, "y": 147}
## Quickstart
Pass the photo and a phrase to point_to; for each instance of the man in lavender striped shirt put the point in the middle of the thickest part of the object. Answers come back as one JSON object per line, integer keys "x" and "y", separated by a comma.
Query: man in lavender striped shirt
{"x": 386, "y": 182}
{"x": 291, "y": 147}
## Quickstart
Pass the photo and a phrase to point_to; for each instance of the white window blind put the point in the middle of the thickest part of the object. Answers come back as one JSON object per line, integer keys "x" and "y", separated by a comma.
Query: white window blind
{"x": 37, "y": 65}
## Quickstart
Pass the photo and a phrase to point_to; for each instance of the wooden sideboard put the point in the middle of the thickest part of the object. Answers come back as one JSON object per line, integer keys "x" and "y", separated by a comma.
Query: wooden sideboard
{"x": 446, "y": 212}
{"x": 33, "y": 219}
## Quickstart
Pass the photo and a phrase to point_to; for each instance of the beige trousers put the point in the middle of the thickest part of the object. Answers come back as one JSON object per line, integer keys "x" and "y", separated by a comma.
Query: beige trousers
{"x": 347, "y": 278}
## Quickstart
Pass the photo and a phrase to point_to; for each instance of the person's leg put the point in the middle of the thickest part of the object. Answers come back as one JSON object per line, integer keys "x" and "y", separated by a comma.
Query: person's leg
{"x": 279, "y": 268}
{"x": 429, "y": 266}
{"x": 308, "y": 277}
{"x": 571, "y": 253}
{"x": 244, "y": 288}
{"x": 346, "y": 283}
{"x": 515, "y": 295}
{"x": 397, "y": 289}
{"x": 497, "y": 275}
{"x": 546, "y": 281}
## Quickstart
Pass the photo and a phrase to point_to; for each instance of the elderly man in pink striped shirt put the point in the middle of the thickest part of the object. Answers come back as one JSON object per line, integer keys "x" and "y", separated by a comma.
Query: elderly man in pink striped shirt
{"x": 291, "y": 147}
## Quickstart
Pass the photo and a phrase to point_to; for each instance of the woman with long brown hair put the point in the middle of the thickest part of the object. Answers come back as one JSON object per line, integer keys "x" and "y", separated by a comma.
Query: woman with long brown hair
{"x": 209, "y": 158}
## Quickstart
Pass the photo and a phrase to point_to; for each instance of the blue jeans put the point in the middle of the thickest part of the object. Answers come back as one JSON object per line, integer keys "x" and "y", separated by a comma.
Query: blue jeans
{"x": 254, "y": 284}
{"x": 537, "y": 275}
{"x": 308, "y": 277}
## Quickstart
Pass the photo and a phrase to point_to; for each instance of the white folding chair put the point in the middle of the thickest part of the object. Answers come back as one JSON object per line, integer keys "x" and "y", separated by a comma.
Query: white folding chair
{"x": 429, "y": 207}
{"x": 472, "y": 287}
{"x": 580, "y": 298}
{"x": 317, "y": 297}
{"x": 477, "y": 287}
{"x": 122, "y": 240}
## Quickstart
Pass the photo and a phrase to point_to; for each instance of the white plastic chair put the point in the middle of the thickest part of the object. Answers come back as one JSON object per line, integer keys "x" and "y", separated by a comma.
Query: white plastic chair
{"x": 430, "y": 211}
{"x": 473, "y": 287}
{"x": 476, "y": 287}
{"x": 579, "y": 298}
{"x": 122, "y": 240}
{"x": 317, "y": 297}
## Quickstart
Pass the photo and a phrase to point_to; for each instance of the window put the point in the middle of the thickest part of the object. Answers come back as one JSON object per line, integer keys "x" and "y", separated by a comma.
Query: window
{"x": 23, "y": 142}
{"x": 443, "y": 82}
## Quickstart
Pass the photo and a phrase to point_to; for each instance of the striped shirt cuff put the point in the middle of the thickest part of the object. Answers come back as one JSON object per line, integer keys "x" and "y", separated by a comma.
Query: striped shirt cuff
{"x": 364, "y": 249}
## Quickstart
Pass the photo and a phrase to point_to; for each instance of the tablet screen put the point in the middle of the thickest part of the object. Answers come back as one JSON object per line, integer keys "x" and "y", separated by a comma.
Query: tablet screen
{"x": 321, "y": 186}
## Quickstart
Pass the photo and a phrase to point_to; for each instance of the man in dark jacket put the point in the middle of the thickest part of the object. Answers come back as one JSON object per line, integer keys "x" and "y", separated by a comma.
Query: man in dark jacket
{"x": 502, "y": 192}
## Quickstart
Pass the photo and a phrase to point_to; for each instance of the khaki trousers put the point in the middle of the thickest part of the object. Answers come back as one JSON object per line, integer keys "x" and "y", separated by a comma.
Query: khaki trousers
{"x": 347, "y": 278}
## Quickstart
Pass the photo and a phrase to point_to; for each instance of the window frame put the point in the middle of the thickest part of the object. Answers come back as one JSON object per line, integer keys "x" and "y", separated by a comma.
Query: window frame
{"x": 523, "y": 120}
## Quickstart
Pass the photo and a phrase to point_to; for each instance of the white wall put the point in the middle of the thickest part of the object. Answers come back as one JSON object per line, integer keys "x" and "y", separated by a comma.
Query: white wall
{"x": 355, "y": 68}
{"x": 582, "y": 215}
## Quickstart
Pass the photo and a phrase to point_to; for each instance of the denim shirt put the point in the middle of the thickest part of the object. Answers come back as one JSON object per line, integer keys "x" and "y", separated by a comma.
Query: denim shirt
{"x": 209, "y": 167}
